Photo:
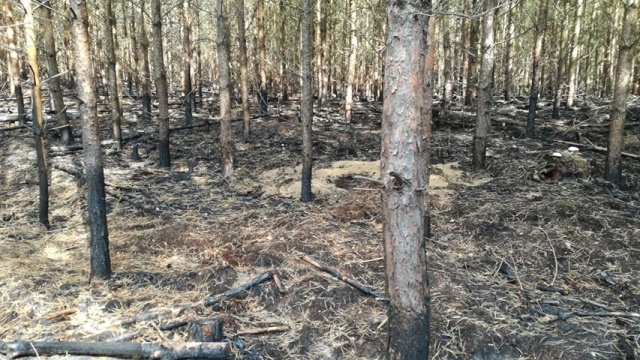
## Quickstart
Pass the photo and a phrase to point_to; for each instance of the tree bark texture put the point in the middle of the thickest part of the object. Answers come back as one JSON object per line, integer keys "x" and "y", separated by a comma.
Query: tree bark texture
{"x": 143, "y": 66}
{"x": 36, "y": 111}
{"x": 429, "y": 81}
{"x": 114, "y": 99}
{"x": 14, "y": 60}
{"x": 100, "y": 259}
{"x": 187, "y": 89}
{"x": 54, "y": 81}
{"x": 535, "y": 74}
{"x": 573, "y": 61}
{"x": 351, "y": 65}
{"x": 161, "y": 85}
{"x": 306, "y": 106}
{"x": 244, "y": 70}
{"x": 263, "y": 99}
{"x": 613, "y": 167}
{"x": 403, "y": 175}
{"x": 224, "y": 76}
{"x": 483, "y": 122}
{"x": 508, "y": 57}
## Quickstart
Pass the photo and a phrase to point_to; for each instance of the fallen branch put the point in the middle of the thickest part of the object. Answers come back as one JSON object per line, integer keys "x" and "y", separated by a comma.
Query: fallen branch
{"x": 608, "y": 313}
{"x": 267, "y": 330}
{"x": 597, "y": 148}
{"x": 336, "y": 274}
{"x": 163, "y": 350}
{"x": 237, "y": 290}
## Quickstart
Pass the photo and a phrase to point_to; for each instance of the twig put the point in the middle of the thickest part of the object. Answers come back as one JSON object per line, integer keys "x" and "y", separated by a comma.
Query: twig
{"x": 336, "y": 274}
{"x": 360, "y": 177}
{"x": 278, "y": 282}
{"x": 608, "y": 313}
{"x": 267, "y": 330}
{"x": 552, "y": 289}
{"x": 237, "y": 290}
{"x": 555, "y": 258}
{"x": 602, "y": 306}
{"x": 60, "y": 313}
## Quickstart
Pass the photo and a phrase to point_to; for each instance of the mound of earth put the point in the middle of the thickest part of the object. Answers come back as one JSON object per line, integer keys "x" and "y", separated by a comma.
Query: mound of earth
{"x": 285, "y": 181}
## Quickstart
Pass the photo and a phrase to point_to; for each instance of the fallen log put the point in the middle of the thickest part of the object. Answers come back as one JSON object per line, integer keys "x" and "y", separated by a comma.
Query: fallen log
{"x": 597, "y": 148}
{"x": 161, "y": 350}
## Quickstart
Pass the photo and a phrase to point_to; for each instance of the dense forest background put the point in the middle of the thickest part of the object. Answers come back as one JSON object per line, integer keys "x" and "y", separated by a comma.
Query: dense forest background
{"x": 165, "y": 163}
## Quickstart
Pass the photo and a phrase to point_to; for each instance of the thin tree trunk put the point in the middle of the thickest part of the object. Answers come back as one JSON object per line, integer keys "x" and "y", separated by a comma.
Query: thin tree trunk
{"x": 283, "y": 65}
{"x": 535, "y": 74}
{"x": 54, "y": 80}
{"x": 224, "y": 77}
{"x": 14, "y": 60}
{"x": 464, "y": 64}
{"x": 135, "y": 75}
{"x": 161, "y": 85}
{"x": 351, "y": 66}
{"x": 187, "y": 90}
{"x": 94, "y": 173}
{"x": 306, "y": 105}
{"x": 508, "y": 58}
{"x": 321, "y": 33}
{"x": 573, "y": 62}
{"x": 262, "y": 60}
{"x": 244, "y": 71}
{"x": 613, "y": 168}
{"x": 447, "y": 59}
{"x": 429, "y": 67}
{"x": 403, "y": 175}
{"x": 38, "y": 119}
{"x": 474, "y": 61}
{"x": 143, "y": 66}
{"x": 483, "y": 122}
{"x": 114, "y": 100}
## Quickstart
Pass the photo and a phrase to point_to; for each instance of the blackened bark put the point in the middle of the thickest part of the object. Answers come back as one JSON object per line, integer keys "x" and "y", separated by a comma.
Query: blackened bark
{"x": 143, "y": 66}
{"x": 114, "y": 100}
{"x": 100, "y": 259}
{"x": 161, "y": 85}
{"x": 226, "y": 131}
{"x": 403, "y": 175}
{"x": 613, "y": 167}
{"x": 306, "y": 105}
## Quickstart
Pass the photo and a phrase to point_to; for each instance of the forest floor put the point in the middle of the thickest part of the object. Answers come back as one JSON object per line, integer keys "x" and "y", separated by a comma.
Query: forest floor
{"x": 534, "y": 258}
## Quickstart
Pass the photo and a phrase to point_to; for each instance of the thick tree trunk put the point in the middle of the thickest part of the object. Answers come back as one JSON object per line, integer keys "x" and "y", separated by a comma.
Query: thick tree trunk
{"x": 226, "y": 131}
{"x": 114, "y": 100}
{"x": 143, "y": 66}
{"x": 573, "y": 61}
{"x": 306, "y": 105}
{"x": 94, "y": 173}
{"x": 403, "y": 175}
{"x": 263, "y": 99}
{"x": 161, "y": 84}
{"x": 351, "y": 65}
{"x": 14, "y": 60}
{"x": 535, "y": 74}
{"x": 483, "y": 122}
{"x": 54, "y": 81}
{"x": 429, "y": 80}
{"x": 244, "y": 70}
{"x": 37, "y": 116}
{"x": 613, "y": 168}
{"x": 187, "y": 90}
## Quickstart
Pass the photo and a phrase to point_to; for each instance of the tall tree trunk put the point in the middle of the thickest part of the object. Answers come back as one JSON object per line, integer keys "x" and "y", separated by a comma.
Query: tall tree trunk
{"x": 573, "y": 62}
{"x": 306, "y": 105}
{"x": 508, "y": 57}
{"x": 483, "y": 122}
{"x": 94, "y": 173}
{"x": 351, "y": 66}
{"x": 161, "y": 84}
{"x": 114, "y": 100}
{"x": 263, "y": 99}
{"x": 464, "y": 64}
{"x": 143, "y": 66}
{"x": 187, "y": 90}
{"x": 283, "y": 65}
{"x": 36, "y": 111}
{"x": 135, "y": 75}
{"x": 535, "y": 74}
{"x": 321, "y": 34}
{"x": 474, "y": 61}
{"x": 244, "y": 71}
{"x": 14, "y": 60}
{"x": 429, "y": 80}
{"x": 403, "y": 175}
{"x": 54, "y": 81}
{"x": 226, "y": 131}
{"x": 447, "y": 86}
{"x": 613, "y": 168}
{"x": 561, "y": 34}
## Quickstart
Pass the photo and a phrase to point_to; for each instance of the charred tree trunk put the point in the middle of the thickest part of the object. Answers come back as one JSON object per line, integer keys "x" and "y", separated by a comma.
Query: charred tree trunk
{"x": 226, "y": 131}
{"x": 483, "y": 122}
{"x": 306, "y": 105}
{"x": 403, "y": 175}
{"x": 14, "y": 61}
{"x": 161, "y": 85}
{"x": 429, "y": 81}
{"x": 37, "y": 116}
{"x": 613, "y": 168}
{"x": 54, "y": 81}
{"x": 535, "y": 74}
{"x": 114, "y": 100}
{"x": 244, "y": 71}
{"x": 143, "y": 66}
{"x": 94, "y": 173}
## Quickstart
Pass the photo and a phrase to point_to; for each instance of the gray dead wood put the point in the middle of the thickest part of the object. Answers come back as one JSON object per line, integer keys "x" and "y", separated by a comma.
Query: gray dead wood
{"x": 162, "y": 350}
{"x": 597, "y": 148}
{"x": 336, "y": 274}
{"x": 238, "y": 290}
